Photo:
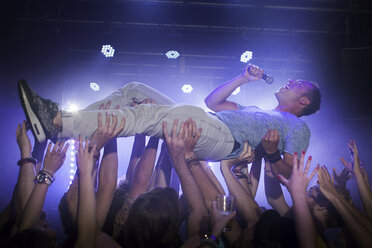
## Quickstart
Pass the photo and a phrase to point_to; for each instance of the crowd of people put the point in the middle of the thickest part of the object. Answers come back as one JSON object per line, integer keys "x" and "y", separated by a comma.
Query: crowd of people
{"x": 145, "y": 209}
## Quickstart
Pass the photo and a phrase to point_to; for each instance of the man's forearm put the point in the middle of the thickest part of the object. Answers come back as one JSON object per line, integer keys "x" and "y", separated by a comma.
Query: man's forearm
{"x": 216, "y": 100}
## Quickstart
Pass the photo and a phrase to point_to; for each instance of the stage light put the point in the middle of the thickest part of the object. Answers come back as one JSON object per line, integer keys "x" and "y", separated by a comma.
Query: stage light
{"x": 72, "y": 107}
{"x": 94, "y": 86}
{"x": 108, "y": 51}
{"x": 72, "y": 165}
{"x": 172, "y": 54}
{"x": 236, "y": 91}
{"x": 187, "y": 88}
{"x": 246, "y": 56}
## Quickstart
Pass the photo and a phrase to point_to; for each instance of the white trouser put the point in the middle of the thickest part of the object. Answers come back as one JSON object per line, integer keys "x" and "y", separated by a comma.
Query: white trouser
{"x": 215, "y": 142}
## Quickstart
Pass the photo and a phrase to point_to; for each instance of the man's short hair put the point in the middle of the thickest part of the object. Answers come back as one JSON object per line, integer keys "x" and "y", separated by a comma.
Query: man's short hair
{"x": 313, "y": 94}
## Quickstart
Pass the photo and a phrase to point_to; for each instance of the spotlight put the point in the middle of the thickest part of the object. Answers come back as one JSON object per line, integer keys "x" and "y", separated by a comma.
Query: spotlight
{"x": 72, "y": 107}
{"x": 246, "y": 56}
{"x": 236, "y": 91}
{"x": 172, "y": 54}
{"x": 94, "y": 86}
{"x": 108, "y": 50}
{"x": 187, "y": 88}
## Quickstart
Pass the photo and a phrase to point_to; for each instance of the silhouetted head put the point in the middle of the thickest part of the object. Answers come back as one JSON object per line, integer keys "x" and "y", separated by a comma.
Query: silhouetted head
{"x": 153, "y": 220}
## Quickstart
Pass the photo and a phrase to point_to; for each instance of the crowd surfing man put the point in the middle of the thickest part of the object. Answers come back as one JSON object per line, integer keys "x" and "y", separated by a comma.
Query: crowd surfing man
{"x": 279, "y": 132}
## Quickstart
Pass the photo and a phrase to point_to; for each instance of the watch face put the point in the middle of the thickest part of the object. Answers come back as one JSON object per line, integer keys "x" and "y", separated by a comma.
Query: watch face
{"x": 43, "y": 178}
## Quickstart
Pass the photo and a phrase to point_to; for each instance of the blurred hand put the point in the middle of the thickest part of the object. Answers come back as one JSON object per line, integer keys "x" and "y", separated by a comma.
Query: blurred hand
{"x": 247, "y": 156}
{"x": 218, "y": 220}
{"x": 298, "y": 182}
{"x": 341, "y": 178}
{"x": 252, "y": 73}
{"x": 270, "y": 141}
{"x": 23, "y": 141}
{"x": 106, "y": 131}
{"x": 85, "y": 156}
{"x": 175, "y": 143}
{"x": 191, "y": 137}
{"x": 326, "y": 185}
{"x": 55, "y": 157}
{"x": 350, "y": 166}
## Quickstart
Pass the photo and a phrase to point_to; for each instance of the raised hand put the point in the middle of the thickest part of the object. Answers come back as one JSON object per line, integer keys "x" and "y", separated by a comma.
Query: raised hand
{"x": 191, "y": 137}
{"x": 354, "y": 158}
{"x": 299, "y": 180}
{"x": 342, "y": 177}
{"x": 326, "y": 185}
{"x": 85, "y": 157}
{"x": 23, "y": 141}
{"x": 55, "y": 157}
{"x": 106, "y": 131}
{"x": 252, "y": 73}
{"x": 270, "y": 141}
{"x": 175, "y": 143}
{"x": 218, "y": 220}
{"x": 247, "y": 156}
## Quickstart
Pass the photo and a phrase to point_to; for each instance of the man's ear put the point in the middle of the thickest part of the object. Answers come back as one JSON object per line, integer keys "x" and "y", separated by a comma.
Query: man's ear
{"x": 304, "y": 101}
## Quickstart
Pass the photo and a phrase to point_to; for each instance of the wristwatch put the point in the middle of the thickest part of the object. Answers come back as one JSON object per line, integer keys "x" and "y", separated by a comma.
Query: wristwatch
{"x": 44, "y": 177}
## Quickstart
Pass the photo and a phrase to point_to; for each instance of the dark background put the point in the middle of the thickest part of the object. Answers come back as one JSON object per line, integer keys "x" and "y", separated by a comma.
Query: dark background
{"x": 56, "y": 45}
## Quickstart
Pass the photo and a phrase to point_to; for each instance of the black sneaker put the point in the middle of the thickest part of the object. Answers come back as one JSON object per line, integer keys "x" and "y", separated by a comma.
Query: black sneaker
{"x": 39, "y": 113}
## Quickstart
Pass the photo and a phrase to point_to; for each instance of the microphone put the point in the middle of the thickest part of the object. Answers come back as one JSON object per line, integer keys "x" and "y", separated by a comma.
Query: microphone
{"x": 266, "y": 77}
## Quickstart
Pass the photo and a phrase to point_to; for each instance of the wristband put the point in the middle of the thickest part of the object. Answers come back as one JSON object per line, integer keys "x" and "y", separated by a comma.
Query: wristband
{"x": 273, "y": 157}
{"x": 192, "y": 161}
{"x": 44, "y": 177}
{"x": 26, "y": 160}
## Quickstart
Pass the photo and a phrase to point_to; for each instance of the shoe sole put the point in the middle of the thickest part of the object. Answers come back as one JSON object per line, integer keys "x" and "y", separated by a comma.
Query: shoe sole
{"x": 36, "y": 127}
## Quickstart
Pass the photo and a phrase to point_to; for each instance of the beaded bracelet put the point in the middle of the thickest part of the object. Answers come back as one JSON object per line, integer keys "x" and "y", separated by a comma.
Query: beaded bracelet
{"x": 26, "y": 160}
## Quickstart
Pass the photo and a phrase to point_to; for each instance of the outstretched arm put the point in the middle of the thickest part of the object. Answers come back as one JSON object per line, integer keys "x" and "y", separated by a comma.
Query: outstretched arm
{"x": 52, "y": 162}
{"x": 273, "y": 192}
{"x": 108, "y": 170}
{"x": 217, "y": 100}
{"x": 26, "y": 176}
{"x": 244, "y": 198}
{"x": 144, "y": 169}
{"x": 357, "y": 223}
{"x": 363, "y": 186}
{"x": 86, "y": 217}
{"x": 279, "y": 165}
{"x": 297, "y": 185}
{"x": 206, "y": 185}
{"x": 193, "y": 195}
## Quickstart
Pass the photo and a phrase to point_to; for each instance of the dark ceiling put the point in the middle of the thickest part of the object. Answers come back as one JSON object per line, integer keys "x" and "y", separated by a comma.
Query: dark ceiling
{"x": 298, "y": 37}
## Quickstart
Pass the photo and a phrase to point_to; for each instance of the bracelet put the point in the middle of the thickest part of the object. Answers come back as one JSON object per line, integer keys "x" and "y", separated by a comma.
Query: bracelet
{"x": 191, "y": 162}
{"x": 274, "y": 157}
{"x": 210, "y": 241}
{"x": 26, "y": 160}
{"x": 44, "y": 177}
